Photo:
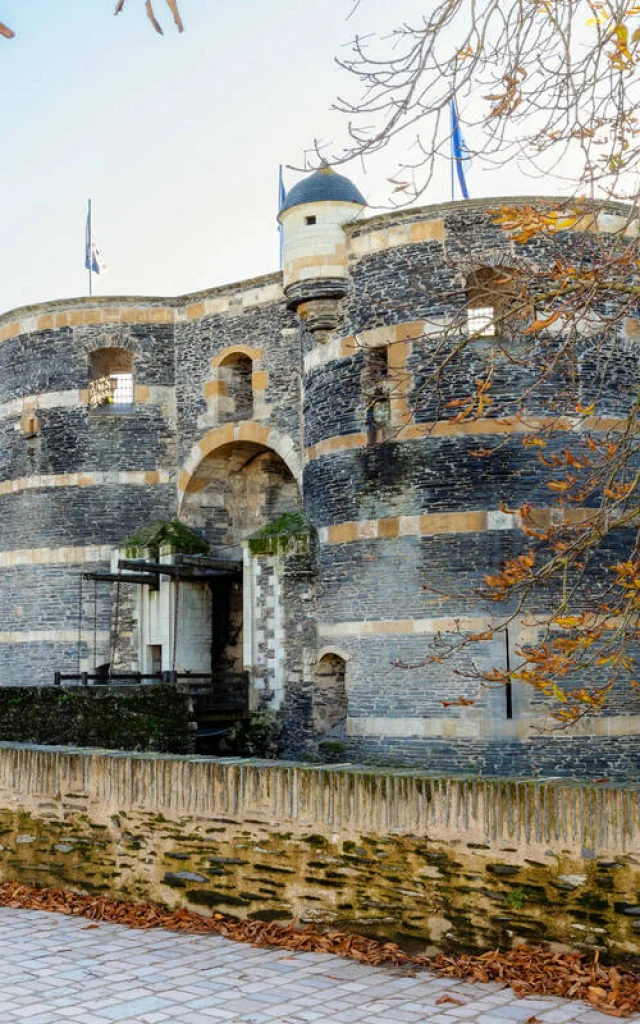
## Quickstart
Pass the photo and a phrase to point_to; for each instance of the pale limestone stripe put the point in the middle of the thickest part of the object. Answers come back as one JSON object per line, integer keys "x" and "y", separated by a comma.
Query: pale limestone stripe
{"x": 232, "y": 303}
{"x": 472, "y": 726}
{"x": 469, "y": 428}
{"x": 432, "y": 524}
{"x": 375, "y": 627}
{"x": 392, "y": 336}
{"x": 380, "y": 238}
{"x": 55, "y": 556}
{"x": 132, "y": 477}
{"x": 46, "y": 318}
{"x": 80, "y": 313}
{"x": 48, "y": 636}
{"x": 46, "y": 400}
{"x": 156, "y": 394}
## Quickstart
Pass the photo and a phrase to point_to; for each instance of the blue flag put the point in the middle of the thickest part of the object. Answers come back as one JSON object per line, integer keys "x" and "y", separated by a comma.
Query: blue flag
{"x": 282, "y": 195}
{"x": 93, "y": 260}
{"x": 459, "y": 151}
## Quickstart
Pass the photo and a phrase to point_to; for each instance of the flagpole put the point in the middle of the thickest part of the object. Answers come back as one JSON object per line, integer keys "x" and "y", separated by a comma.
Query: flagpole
{"x": 451, "y": 116}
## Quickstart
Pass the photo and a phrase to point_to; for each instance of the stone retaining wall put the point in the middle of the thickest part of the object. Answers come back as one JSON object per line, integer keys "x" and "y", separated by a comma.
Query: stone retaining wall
{"x": 434, "y": 862}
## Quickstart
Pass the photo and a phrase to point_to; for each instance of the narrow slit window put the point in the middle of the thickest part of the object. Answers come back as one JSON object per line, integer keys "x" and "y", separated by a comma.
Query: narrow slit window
{"x": 236, "y": 376}
{"x": 376, "y": 387}
{"x": 508, "y": 688}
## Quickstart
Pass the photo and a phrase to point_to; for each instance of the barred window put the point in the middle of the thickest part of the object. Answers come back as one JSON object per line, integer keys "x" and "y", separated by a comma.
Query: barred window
{"x": 111, "y": 380}
{"x": 123, "y": 389}
{"x": 493, "y": 297}
{"x": 481, "y": 320}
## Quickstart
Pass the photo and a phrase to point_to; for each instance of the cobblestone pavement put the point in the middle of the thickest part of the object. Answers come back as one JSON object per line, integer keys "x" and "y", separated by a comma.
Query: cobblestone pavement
{"x": 56, "y": 969}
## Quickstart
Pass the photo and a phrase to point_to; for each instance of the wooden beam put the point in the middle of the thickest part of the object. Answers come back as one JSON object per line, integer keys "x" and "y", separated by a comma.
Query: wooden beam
{"x": 145, "y": 579}
{"x": 202, "y": 561}
{"x": 183, "y": 572}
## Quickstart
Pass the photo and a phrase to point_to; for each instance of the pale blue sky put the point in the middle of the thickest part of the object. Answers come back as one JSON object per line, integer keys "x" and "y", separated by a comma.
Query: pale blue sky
{"x": 176, "y": 139}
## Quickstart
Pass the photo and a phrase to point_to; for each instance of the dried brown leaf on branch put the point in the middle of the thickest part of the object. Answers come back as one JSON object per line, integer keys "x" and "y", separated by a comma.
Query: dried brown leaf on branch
{"x": 527, "y": 971}
{"x": 171, "y": 4}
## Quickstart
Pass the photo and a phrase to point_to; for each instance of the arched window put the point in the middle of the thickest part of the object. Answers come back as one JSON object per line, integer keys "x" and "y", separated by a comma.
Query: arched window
{"x": 490, "y": 293}
{"x": 111, "y": 386}
{"x": 330, "y": 693}
{"x": 236, "y": 401}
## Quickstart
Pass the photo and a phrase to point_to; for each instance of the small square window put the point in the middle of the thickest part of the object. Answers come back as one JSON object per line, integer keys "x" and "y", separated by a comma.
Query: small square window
{"x": 481, "y": 321}
{"x": 309, "y": 220}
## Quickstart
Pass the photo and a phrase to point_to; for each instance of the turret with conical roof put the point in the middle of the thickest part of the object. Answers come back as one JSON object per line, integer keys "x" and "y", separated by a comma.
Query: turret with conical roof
{"x": 314, "y": 247}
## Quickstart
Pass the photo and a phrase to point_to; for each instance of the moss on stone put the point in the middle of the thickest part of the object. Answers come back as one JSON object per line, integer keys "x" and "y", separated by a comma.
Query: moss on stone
{"x": 157, "y": 718}
{"x": 167, "y": 534}
{"x": 277, "y": 536}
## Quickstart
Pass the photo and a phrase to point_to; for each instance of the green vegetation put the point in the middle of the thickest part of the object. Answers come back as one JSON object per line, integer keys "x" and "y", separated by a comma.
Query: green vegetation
{"x": 277, "y": 537}
{"x": 257, "y": 735}
{"x": 157, "y": 718}
{"x": 171, "y": 534}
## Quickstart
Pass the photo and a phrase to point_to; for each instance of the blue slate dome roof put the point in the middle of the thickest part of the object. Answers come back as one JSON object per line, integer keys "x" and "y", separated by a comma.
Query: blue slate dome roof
{"x": 324, "y": 184}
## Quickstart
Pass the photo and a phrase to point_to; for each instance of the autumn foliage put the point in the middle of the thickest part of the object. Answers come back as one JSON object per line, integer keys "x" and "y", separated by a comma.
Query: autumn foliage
{"x": 171, "y": 4}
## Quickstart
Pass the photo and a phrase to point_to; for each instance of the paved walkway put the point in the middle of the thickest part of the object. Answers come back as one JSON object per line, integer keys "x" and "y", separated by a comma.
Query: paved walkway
{"x": 56, "y": 969}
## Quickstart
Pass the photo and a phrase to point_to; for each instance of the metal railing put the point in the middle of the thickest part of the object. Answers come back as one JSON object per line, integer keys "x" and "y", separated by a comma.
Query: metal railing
{"x": 127, "y": 678}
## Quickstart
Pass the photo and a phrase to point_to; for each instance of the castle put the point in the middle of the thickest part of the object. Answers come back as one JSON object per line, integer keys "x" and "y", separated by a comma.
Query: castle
{"x": 283, "y": 421}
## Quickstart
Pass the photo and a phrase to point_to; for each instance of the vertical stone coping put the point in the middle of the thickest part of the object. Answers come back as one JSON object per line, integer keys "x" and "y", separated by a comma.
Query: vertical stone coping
{"x": 585, "y": 820}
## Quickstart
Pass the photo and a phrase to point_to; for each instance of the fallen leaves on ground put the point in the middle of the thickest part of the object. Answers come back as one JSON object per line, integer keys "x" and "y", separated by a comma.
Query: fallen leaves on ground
{"x": 538, "y": 972}
{"x": 527, "y": 971}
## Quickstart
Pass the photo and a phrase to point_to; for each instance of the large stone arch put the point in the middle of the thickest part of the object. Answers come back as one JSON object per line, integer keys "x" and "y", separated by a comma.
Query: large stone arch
{"x": 221, "y": 437}
{"x": 237, "y": 479}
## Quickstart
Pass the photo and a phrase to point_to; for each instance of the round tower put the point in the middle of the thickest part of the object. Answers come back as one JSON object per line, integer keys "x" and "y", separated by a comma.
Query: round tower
{"x": 86, "y": 400}
{"x": 313, "y": 217}
{"x": 410, "y": 519}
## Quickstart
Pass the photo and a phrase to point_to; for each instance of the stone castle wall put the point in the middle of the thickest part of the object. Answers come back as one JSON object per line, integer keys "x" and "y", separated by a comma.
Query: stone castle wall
{"x": 410, "y": 519}
{"x": 432, "y": 861}
{"x": 403, "y": 513}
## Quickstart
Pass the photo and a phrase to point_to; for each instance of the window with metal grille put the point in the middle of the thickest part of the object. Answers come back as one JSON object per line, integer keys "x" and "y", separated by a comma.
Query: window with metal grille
{"x": 111, "y": 380}
{"x": 123, "y": 390}
{"x": 481, "y": 320}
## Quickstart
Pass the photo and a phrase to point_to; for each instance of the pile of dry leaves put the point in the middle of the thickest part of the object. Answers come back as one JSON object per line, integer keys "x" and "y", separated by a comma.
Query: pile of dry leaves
{"x": 535, "y": 972}
{"x": 527, "y": 971}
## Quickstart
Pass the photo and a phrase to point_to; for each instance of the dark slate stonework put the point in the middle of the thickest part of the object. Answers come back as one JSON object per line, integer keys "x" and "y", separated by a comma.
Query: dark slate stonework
{"x": 79, "y": 440}
{"x": 333, "y": 400}
{"x": 199, "y": 341}
{"x": 437, "y": 474}
{"x": 336, "y": 584}
{"x": 407, "y": 283}
{"x": 563, "y": 756}
{"x": 60, "y": 516}
{"x": 48, "y": 597}
{"x": 34, "y": 663}
{"x": 57, "y": 360}
{"x": 389, "y": 579}
{"x": 607, "y": 374}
